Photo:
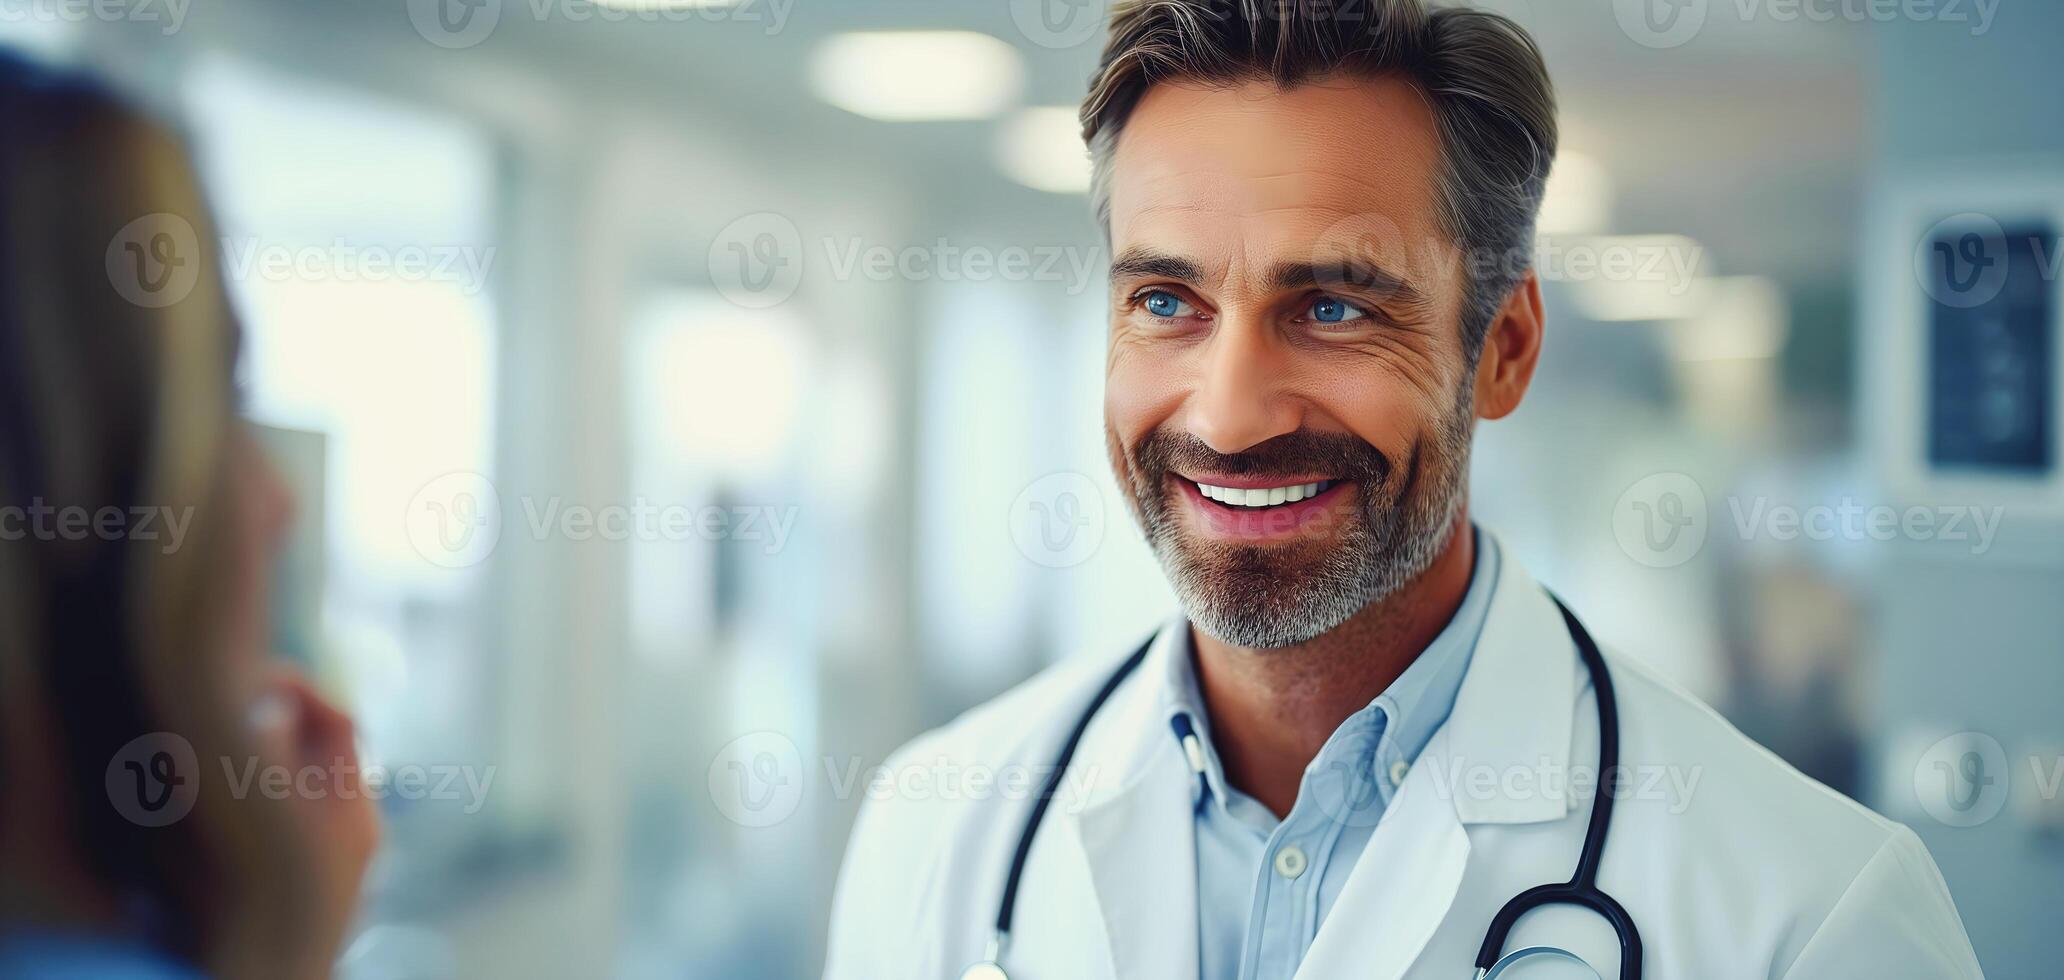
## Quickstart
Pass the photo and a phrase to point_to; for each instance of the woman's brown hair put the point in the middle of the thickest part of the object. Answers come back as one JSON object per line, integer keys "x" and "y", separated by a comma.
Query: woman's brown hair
{"x": 115, "y": 398}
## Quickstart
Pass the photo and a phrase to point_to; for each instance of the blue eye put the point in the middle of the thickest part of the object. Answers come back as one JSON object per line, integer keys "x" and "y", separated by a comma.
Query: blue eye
{"x": 1327, "y": 309}
{"x": 1161, "y": 302}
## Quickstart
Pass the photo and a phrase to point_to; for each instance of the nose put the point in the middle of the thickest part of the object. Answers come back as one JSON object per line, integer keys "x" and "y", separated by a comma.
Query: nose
{"x": 1240, "y": 400}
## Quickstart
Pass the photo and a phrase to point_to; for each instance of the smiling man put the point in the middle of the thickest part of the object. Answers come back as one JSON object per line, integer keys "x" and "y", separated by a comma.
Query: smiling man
{"x": 1368, "y": 729}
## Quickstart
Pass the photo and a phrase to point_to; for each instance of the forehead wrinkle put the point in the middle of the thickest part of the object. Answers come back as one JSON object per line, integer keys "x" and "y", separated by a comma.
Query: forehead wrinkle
{"x": 1242, "y": 199}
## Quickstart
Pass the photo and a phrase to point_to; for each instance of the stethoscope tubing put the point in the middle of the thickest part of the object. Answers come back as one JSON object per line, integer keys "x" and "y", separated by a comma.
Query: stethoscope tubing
{"x": 1582, "y": 887}
{"x": 1047, "y": 789}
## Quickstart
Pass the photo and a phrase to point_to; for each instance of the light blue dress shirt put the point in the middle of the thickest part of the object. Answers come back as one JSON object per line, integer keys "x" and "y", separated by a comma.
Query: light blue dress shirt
{"x": 1264, "y": 885}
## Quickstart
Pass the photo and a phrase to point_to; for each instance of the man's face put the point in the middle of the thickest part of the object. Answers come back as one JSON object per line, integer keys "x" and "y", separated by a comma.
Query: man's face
{"x": 1287, "y": 401}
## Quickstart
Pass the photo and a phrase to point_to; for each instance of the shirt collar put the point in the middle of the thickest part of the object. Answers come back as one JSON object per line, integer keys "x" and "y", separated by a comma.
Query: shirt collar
{"x": 1411, "y": 709}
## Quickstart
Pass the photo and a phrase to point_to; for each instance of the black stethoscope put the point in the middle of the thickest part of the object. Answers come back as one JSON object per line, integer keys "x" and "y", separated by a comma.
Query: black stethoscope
{"x": 1582, "y": 888}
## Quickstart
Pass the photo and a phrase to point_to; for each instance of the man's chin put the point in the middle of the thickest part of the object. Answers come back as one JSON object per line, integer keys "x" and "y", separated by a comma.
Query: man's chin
{"x": 1263, "y": 626}
{"x": 1264, "y": 596}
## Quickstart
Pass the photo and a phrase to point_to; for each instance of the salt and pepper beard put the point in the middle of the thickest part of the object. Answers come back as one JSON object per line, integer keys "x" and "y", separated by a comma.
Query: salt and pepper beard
{"x": 1276, "y": 595}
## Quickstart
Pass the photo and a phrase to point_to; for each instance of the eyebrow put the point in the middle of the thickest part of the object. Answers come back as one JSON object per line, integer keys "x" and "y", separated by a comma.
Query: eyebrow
{"x": 1346, "y": 273}
{"x": 1341, "y": 273}
{"x": 1139, "y": 263}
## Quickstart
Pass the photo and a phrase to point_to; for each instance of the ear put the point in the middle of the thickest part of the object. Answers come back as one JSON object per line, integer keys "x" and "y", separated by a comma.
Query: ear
{"x": 1511, "y": 348}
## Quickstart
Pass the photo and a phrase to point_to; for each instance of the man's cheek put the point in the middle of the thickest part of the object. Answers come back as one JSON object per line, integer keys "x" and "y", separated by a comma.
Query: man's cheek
{"x": 1133, "y": 407}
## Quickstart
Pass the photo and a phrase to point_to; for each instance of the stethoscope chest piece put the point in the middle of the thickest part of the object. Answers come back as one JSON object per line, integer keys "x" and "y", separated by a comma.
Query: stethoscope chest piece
{"x": 1540, "y": 963}
{"x": 984, "y": 970}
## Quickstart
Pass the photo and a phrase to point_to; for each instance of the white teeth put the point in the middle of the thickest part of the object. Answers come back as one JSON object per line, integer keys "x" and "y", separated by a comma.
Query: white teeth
{"x": 1262, "y": 497}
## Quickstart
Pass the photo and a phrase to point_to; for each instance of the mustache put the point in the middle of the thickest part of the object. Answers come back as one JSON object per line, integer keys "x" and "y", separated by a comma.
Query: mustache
{"x": 1291, "y": 454}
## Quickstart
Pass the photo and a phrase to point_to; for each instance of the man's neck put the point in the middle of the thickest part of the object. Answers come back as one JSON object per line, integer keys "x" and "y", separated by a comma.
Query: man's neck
{"x": 1272, "y": 710}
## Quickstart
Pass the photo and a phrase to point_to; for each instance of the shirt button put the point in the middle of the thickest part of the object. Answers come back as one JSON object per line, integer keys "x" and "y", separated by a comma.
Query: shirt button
{"x": 1291, "y": 862}
{"x": 1397, "y": 772}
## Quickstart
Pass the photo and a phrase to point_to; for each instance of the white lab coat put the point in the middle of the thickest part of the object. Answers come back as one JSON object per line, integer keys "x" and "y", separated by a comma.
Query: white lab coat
{"x": 1742, "y": 867}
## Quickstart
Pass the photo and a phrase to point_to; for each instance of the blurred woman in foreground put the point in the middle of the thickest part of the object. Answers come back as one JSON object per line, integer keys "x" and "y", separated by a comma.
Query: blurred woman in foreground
{"x": 136, "y": 689}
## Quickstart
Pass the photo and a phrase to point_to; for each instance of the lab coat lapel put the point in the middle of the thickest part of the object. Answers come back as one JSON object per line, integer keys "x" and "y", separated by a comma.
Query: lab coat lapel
{"x": 1512, "y": 715}
{"x": 1400, "y": 890}
{"x": 1515, "y": 711}
{"x": 1139, "y": 838}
